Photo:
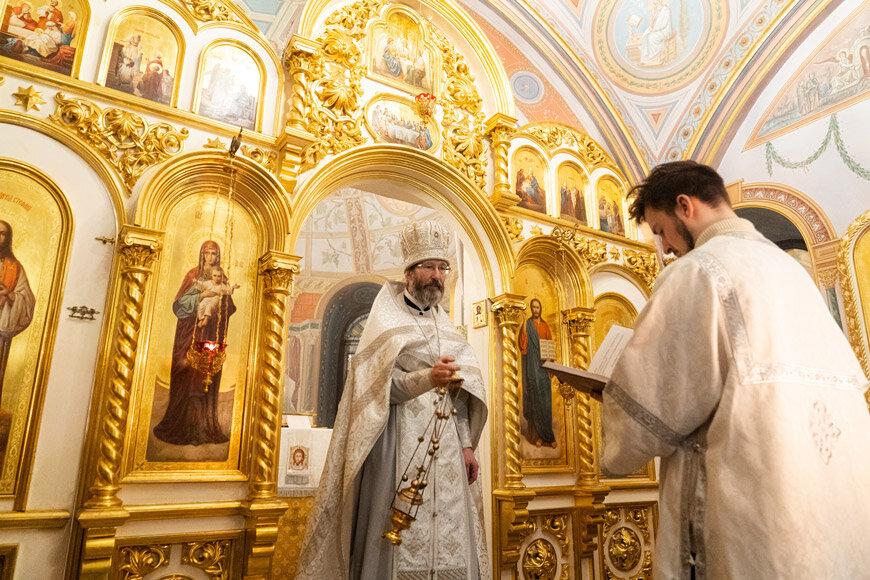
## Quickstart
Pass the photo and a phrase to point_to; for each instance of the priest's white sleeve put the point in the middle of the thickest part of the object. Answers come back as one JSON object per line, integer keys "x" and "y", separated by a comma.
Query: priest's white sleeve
{"x": 669, "y": 378}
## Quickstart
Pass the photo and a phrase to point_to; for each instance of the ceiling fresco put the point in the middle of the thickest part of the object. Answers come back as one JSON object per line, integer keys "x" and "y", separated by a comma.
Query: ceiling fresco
{"x": 647, "y": 77}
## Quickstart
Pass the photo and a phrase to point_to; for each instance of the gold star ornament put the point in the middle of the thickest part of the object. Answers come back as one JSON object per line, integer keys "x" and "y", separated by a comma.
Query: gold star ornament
{"x": 28, "y": 98}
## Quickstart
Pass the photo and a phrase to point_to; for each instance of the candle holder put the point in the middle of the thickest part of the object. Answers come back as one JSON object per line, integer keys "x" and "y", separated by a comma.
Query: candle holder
{"x": 425, "y": 103}
{"x": 207, "y": 357}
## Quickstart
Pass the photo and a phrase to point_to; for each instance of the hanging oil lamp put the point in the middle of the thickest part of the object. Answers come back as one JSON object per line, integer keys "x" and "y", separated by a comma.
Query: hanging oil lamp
{"x": 205, "y": 356}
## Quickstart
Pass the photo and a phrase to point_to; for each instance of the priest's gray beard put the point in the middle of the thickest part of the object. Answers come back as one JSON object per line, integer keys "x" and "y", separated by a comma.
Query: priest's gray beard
{"x": 427, "y": 295}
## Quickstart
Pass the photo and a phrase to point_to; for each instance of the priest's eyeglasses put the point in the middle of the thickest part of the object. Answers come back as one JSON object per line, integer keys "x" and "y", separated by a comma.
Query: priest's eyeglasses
{"x": 444, "y": 269}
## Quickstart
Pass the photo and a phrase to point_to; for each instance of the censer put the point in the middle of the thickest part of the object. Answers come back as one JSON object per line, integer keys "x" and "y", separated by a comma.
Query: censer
{"x": 409, "y": 495}
{"x": 207, "y": 356}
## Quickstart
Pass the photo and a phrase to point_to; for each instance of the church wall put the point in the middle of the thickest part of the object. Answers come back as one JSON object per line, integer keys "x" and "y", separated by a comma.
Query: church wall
{"x": 64, "y": 412}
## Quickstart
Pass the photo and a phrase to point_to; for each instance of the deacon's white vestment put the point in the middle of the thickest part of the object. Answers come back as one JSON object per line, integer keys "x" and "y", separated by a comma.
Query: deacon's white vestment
{"x": 739, "y": 378}
{"x": 386, "y": 404}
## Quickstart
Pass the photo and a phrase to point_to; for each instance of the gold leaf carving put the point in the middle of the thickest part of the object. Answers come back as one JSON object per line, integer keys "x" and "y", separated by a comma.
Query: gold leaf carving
{"x": 858, "y": 334}
{"x": 627, "y": 553}
{"x": 264, "y": 157}
{"x": 211, "y": 557}
{"x": 539, "y": 561}
{"x": 591, "y": 251}
{"x": 644, "y": 264}
{"x": 556, "y": 136}
{"x": 558, "y": 525}
{"x": 327, "y": 90}
{"x": 212, "y": 11}
{"x": 125, "y": 139}
{"x": 136, "y": 562}
{"x": 215, "y": 143}
{"x": 514, "y": 228}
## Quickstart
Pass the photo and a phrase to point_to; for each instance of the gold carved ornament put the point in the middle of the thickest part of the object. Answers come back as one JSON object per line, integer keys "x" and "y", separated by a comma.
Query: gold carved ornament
{"x": 124, "y": 139}
{"x": 591, "y": 251}
{"x": 211, "y": 11}
{"x": 644, "y": 264}
{"x": 556, "y": 136}
{"x": 28, "y": 98}
{"x": 266, "y": 158}
{"x": 625, "y": 549}
{"x": 212, "y": 557}
{"x": 136, "y": 562}
{"x": 514, "y": 227}
{"x": 539, "y": 561}
{"x": 327, "y": 83}
{"x": 558, "y": 525}
{"x": 851, "y": 297}
{"x": 464, "y": 130}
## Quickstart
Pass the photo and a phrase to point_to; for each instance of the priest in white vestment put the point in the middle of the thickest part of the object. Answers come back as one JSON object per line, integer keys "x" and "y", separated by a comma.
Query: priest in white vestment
{"x": 408, "y": 348}
{"x": 739, "y": 379}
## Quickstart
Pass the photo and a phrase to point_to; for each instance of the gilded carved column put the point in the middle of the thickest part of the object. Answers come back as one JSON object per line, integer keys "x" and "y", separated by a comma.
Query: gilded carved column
{"x": 262, "y": 508}
{"x": 499, "y": 128}
{"x": 102, "y": 512}
{"x": 590, "y": 494}
{"x": 579, "y": 322}
{"x": 509, "y": 309}
{"x": 299, "y": 62}
{"x": 512, "y": 501}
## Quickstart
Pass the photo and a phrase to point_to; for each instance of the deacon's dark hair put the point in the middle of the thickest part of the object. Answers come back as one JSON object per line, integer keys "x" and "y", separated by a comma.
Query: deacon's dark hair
{"x": 669, "y": 180}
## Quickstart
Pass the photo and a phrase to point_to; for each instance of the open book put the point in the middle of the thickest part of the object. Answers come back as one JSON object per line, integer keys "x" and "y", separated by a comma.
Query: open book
{"x": 593, "y": 380}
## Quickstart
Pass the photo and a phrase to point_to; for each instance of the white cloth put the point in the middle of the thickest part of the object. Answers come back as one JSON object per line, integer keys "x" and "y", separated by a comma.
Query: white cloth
{"x": 385, "y": 405}
{"x": 738, "y": 377}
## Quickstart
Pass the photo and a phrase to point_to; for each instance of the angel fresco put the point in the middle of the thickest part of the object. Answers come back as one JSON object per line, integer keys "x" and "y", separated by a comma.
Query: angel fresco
{"x": 203, "y": 307}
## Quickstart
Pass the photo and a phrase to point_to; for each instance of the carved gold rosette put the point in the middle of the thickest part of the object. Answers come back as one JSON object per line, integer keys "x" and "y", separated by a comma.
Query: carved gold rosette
{"x": 123, "y": 138}
{"x": 539, "y": 561}
{"x": 626, "y": 550}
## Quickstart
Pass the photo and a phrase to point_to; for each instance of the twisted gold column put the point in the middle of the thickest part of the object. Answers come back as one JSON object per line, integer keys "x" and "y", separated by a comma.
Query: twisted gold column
{"x": 579, "y": 322}
{"x": 499, "y": 128}
{"x": 300, "y": 64}
{"x": 102, "y": 513}
{"x": 262, "y": 508}
{"x": 508, "y": 309}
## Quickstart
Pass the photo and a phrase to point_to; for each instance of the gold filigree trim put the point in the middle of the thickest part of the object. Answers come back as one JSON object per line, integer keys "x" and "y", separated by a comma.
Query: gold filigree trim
{"x": 627, "y": 553}
{"x": 644, "y": 264}
{"x": 124, "y": 139}
{"x": 136, "y": 562}
{"x": 539, "y": 560}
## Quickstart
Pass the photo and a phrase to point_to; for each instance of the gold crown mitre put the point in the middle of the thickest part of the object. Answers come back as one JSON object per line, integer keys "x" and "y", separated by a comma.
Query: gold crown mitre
{"x": 424, "y": 240}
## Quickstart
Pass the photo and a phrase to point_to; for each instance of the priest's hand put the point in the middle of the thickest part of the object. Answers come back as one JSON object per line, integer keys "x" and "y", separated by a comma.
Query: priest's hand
{"x": 471, "y": 465}
{"x": 443, "y": 373}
